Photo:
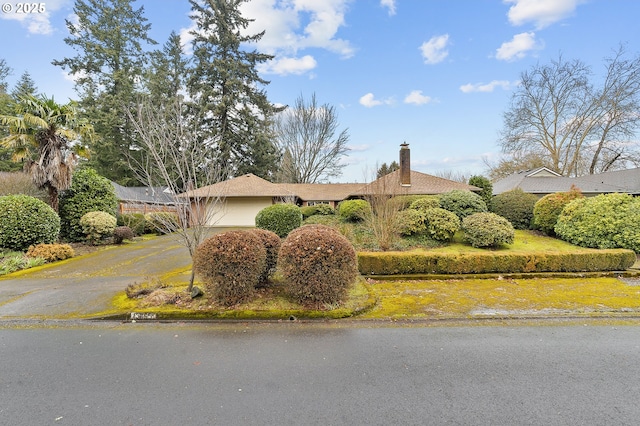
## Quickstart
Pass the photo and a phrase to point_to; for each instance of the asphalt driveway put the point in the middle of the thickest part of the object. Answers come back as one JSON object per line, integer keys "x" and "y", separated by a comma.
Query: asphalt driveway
{"x": 83, "y": 286}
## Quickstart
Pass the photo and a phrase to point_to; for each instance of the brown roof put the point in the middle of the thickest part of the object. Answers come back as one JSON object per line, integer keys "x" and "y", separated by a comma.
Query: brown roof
{"x": 421, "y": 184}
{"x": 248, "y": 185}
{"x": 253, "y": 186}
{"x": 322, "y": 191}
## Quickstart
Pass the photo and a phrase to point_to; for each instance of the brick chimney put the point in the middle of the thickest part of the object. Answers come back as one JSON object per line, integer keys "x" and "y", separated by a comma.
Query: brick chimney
{"x": 405, "y": 165}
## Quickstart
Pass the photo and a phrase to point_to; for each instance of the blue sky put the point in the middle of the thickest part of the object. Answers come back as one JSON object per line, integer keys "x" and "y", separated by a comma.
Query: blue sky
{"x": 437, "y": 74}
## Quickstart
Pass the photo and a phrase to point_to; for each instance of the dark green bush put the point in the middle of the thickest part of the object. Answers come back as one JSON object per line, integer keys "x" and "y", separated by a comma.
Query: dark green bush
{"x": 318, "y": 209}
{"x": 548, "y": 208}
{"x": 161, "y": 222}
{"x": 426, "y": 202}
{"x": 410, "y": 222}
{"x": 135, "y": 221}
{"x": 51, "y": 252}
{"x": 97, "y": 226}
{"x": 604, "y": 221}
{"x": 441, "y": 224}
{"x": 89, "y": 192}
{"x": 279, "y": 218}
{"x": 26, "y": 221}
{"x": 516, "y": 206}
{"x": 122, "y": 233}
{"x": 486, "y": 186}
{"x": 487, "y": 230}
{"x": 271, "y": 243}
{"x": 462, "y": 203}
{"x": 354, "y": 210}
{"x": 319, "y": 219}
{"x": 318, "y": 265}
{"x": 231, "y": 264}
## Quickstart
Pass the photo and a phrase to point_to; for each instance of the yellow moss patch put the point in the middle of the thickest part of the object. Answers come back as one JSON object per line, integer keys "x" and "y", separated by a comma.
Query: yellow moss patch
{"x": 502, "y": 297}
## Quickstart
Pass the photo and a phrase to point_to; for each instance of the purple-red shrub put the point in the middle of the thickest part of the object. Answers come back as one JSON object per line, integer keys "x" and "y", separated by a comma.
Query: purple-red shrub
{"x": 230, "y": 264}
{"x": 318, "y": 263}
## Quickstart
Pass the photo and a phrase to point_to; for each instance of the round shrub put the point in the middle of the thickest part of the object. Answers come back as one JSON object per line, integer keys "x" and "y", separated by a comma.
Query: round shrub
{"x": 51, "y": 252}
{"x": 26, "y": 221}
{"x": 487, "y": 230}
{"x": 354, "y": 210}
{"x": 605, "y": 221}
{"x": 230, "y": 264}
{"x": 279, "y": 218}
{"x": 89, "y": 192}
{"x": 441, "y": 224}
{"x": 122, "y": 233}
{"x": 271, "y": 243}
{"x": 161, "y": 222}
{"x": 135, "y": 221}
{"x": 410, "y": 222}
{"x": 318, "y": 264}
{"x": 516, "y": 206}
{"x": 97, "y": 226}
{"x": 462, "y": 203}
{"x": 318, "y": 209}
{"x": 548, "y": 208}
{"x": 425, "y": 203}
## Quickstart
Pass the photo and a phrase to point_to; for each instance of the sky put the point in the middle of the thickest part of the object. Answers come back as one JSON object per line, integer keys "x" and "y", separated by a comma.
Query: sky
{"x": 436, "y": 74}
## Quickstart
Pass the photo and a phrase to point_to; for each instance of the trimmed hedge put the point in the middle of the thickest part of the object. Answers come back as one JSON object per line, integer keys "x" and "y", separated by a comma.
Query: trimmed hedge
{"x": 441, "y": 224}
{"x": 279, "y": 218}
{"x": 585, "y": 260}
{"x": 318, "y": 209}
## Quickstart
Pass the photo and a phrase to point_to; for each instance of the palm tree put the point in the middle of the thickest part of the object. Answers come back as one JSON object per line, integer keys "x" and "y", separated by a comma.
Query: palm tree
{"x": 45, "y": 137}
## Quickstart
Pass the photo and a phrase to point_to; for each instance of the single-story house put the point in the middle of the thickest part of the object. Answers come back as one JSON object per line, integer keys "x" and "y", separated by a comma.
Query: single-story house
{"x": 237, "y": 201}
{"x": 142, "y": 199}
{"x": 542, "y": 181}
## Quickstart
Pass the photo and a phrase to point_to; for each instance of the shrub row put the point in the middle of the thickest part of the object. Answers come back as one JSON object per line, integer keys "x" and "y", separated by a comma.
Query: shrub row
{"x": 400, "y": 263}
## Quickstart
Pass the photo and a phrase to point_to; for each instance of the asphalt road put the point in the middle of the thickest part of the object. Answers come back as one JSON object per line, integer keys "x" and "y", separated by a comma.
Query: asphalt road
{"x": 319, "y": 374}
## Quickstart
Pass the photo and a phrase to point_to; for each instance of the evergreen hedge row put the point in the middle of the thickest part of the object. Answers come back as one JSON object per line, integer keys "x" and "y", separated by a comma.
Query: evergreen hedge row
{"x": 401, "y": 263}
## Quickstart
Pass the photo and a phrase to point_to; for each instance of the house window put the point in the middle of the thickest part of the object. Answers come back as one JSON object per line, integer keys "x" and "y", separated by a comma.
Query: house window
{"x": 315, "y": 203}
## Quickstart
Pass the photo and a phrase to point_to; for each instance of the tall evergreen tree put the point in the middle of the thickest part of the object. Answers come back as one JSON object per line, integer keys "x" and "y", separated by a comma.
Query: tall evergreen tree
{"x": 165, "y": 79}
{"x": 234, "y": 112}
{"x": 5, "y": 71}
{"x": 25, "y": 86}
{"x": 109, "y": 39}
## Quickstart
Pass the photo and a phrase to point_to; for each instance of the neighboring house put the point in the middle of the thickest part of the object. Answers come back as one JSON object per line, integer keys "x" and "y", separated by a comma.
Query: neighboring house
{"x": 542, "y": 181}
{"x": 237, "y": 201}
{"x": 141, "y": 199}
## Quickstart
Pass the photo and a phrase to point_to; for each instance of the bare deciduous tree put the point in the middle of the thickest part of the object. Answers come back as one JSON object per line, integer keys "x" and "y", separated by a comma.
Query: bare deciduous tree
{"x": 307, "y": 136}
{"x": 557, "y": 113}
{"x": 172, "y": 158}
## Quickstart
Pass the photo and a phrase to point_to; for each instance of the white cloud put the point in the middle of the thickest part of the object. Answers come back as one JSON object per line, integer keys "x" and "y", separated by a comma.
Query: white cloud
{"x": 285, "y": 65}
{"x": 295, "y": 25}
{"x": 370, "y": 101}
{"x": 435, "y": 50}
{"x": 390, "y": 5}
{"x": 34, "y": 16}
{"x": 417, "y": 98}
{"x": 518, "y": 47}
{"x": 486, "y": 88}
{"x": 541, "y": 12}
